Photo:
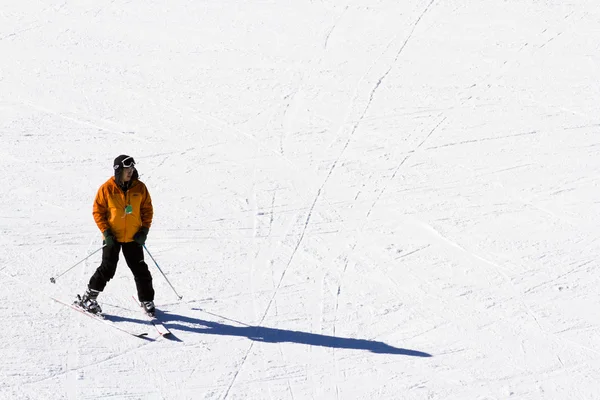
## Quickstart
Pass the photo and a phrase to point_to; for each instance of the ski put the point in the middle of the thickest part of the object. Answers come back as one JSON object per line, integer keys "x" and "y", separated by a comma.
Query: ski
{"x": 100, "y": 318}
{"x": 160, "y": 328}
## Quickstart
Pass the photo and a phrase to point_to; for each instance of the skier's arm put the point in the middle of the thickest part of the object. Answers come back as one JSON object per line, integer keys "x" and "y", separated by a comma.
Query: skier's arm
{"x": 100, "y": 211}
{"x": 146, "y": 210}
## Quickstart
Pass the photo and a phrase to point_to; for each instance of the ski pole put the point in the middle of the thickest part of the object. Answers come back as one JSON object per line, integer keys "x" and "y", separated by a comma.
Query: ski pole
{"x": 163, "y": 274}
{"x": 53, "y": 279}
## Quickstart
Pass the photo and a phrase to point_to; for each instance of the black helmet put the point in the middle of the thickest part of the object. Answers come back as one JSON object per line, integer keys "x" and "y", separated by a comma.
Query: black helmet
{"x": 123, "y": 161}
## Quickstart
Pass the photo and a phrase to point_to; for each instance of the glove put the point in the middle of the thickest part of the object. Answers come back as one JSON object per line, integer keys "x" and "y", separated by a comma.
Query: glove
{"x": 109, "y": 238}
{"x": 141, "y": 235}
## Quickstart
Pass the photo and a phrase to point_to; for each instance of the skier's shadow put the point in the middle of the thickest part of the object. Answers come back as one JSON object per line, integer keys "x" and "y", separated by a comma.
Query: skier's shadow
{"x": 272, "y": 335}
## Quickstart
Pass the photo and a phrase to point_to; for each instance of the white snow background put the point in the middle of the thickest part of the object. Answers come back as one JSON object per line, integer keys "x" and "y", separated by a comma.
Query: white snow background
{"x": 356, "y": 199}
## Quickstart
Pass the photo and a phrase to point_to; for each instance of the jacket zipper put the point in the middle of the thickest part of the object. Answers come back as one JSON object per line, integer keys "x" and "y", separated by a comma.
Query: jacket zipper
{"x": 125, "y": 210}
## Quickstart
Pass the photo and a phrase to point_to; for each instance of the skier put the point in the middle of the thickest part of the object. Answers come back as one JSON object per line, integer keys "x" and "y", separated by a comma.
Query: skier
{"x": 123, "y": 212}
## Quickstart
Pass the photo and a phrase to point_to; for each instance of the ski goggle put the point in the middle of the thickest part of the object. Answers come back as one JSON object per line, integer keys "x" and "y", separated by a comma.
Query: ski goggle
{"x": 126, "y": 163}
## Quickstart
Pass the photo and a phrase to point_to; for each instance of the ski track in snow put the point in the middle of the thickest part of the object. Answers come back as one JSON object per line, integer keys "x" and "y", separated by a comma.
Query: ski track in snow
{"x": 331, "y": 169}
{"x": 516, "y": 292}
{"x": 382, "y": 191}
{"x": 70, "y": 359}
{"x": 333, "y": 166}
{"x": 80, "y": 120}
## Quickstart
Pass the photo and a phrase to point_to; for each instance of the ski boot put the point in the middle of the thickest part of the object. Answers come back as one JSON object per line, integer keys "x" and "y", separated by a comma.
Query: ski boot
{"x": 89, "y": 302}
{"x": 149, "y": 308}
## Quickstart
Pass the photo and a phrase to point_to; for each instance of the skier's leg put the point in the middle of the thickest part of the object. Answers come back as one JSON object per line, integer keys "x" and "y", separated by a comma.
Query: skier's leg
{"x": 106, "y": 271}
{"x": 134, "y": 255}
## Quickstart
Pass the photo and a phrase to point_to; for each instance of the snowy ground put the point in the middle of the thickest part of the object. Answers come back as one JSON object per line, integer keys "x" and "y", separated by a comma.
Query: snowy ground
{"x": 356, "y": 199}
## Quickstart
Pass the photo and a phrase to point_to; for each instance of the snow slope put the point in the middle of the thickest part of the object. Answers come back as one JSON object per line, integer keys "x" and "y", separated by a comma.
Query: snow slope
{"x": 357, "y": 200}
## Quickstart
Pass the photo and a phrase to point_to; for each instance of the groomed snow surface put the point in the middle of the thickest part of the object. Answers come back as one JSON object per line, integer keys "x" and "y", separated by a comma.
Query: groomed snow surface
{"x": 356, "y": 199}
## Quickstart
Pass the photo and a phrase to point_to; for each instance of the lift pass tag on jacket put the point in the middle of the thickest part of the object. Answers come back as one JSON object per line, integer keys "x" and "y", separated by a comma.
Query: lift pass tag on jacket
{"x": 128, "y": 209}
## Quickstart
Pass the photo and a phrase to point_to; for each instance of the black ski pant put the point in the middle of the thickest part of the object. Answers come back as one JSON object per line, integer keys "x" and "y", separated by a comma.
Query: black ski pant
{"x": 134, "y": 256}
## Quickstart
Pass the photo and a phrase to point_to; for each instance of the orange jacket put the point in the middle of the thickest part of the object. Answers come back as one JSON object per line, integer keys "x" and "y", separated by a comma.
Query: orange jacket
{"x": 110, "y": 209}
